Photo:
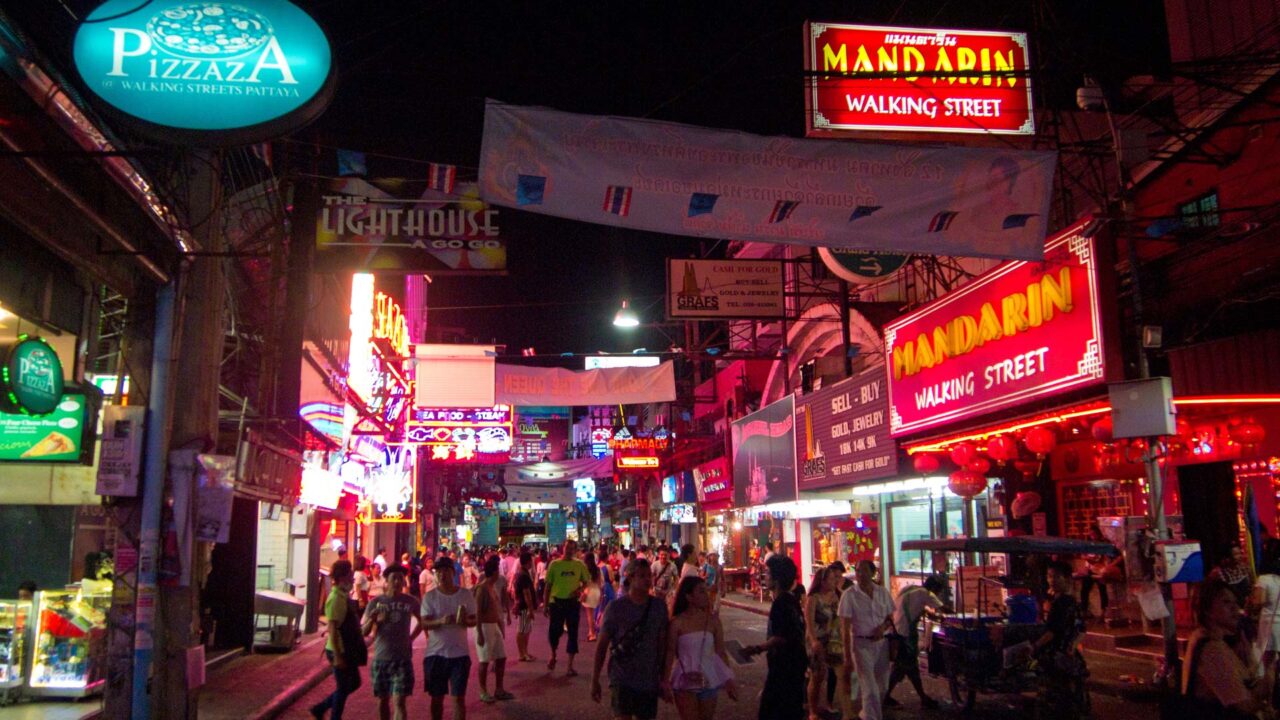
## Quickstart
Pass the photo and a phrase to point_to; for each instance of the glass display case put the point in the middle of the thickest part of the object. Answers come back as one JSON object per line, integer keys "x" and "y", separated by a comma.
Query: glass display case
{"x": 69, "y": 647}
{"x": 14, "y": 618}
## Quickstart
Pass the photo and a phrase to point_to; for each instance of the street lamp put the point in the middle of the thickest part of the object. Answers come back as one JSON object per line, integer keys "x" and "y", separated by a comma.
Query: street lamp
{"x": 626, "y": 317}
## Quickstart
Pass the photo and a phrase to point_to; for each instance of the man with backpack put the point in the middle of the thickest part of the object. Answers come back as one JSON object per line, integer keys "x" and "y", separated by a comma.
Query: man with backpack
{"x": 344, "y": 647}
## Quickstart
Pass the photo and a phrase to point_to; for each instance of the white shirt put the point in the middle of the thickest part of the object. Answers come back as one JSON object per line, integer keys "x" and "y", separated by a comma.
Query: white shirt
{"x": 508, "y": 566}
{"x": 690, "y": 569}
{"x": 866, "y": 612}
{"x": 426, "y": 581}
{"x": 910, "y": 606}
{"x": 449, "y": 641}
{"x": 381, "y": 561}
{"x": 359, "y": 584}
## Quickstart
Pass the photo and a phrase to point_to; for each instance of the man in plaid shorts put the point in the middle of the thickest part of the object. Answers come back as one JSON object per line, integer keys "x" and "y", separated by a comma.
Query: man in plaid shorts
{"x": 388, "y": 615}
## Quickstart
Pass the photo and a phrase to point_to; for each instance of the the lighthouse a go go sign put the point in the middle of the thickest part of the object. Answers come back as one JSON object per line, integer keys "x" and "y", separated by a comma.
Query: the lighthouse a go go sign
{"x": 883, "y": 79}
{"x": 206, "y": 72}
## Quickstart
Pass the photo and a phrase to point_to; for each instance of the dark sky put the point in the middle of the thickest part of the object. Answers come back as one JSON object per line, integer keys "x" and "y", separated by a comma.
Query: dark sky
{"x": 413, "y": 76}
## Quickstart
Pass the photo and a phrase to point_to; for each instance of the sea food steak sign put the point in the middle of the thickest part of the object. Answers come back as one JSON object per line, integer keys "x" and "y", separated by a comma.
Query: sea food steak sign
{"x": 207, "y": 72}
{"x": 1021, "y": 331}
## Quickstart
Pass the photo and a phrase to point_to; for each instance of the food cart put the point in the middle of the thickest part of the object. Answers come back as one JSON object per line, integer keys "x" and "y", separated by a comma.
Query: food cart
{"x": 989, "y": 650}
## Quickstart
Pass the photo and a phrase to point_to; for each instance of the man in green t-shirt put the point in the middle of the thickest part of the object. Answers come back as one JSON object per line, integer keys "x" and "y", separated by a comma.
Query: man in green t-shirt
{"x": 344, "y": 647}
{"x": 565, "y": 579}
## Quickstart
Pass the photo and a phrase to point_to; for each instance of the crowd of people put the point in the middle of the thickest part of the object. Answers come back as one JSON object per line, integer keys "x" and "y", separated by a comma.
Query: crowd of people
{"x": 652, "y": 612}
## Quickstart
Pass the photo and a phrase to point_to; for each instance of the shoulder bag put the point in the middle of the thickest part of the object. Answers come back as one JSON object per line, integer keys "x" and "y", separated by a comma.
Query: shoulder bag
{"x": 625, "y": 646}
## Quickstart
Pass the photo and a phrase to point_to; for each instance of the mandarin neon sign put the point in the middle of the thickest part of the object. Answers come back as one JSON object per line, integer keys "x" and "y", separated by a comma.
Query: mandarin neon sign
{"x": 1019, "y": 312}
{"x": 1021, "y": 331}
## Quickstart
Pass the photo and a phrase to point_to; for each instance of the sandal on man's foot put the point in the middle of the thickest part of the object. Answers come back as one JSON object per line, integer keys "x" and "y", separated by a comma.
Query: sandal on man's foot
{"x": 487, "y": 699}
{"x": 504, "y": 695}
{"x": 571, "y": 673}
{"x": 551, "y": 664}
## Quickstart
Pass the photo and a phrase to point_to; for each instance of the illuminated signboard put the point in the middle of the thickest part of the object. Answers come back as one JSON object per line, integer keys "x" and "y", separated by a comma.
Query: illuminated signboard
{"x": 234, "y": 72}
{"x": 391, "y": 489}
{"x": 624, "y": 439}
{"x": 376, "y": 361}
{"x": 683, "y": 513}
{"x": 864, "y": 77}
{"x": 713, "y": 481}
{"x": 600, "y": 438}
{"x": 638, "y": 461}
{"x": 30, "y": 376}
{"x": 320, "y": 487}
{"x": 584, "y": 490}
{"x": 1021, "y": 331}
{"x": 669, "y": 490}
{"x": 475, "y": 435}
{"x": 842, "y": 433}
{"x": 599, "y": 362}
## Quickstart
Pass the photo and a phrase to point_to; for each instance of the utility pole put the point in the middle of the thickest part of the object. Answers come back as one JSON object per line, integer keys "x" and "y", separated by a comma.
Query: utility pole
{"x": 198, "y": 339}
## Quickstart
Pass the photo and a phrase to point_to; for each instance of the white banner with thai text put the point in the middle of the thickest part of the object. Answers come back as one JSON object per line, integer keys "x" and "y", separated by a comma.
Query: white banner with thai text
{"x": 525, "y": 386}
{"x": 686, "y": 180}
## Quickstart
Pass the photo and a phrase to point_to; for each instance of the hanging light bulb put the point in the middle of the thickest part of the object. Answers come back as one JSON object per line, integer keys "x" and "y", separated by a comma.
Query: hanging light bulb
{"x": 626, "y": 317}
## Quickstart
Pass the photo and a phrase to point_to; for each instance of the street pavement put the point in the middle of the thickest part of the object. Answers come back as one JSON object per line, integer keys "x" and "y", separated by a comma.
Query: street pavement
{"x": 543, "y": 695}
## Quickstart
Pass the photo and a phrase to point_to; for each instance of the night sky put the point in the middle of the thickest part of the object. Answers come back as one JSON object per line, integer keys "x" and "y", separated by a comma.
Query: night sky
{"x": 413, "y": 76}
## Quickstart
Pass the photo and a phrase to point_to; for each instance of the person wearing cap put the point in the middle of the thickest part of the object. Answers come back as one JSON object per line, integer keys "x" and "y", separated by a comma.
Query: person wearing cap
{"x": 388, "y": 618}
{"x": 447, "y": 612}
{"x": 913, "y": 603}
{"x": 343, "y": 647}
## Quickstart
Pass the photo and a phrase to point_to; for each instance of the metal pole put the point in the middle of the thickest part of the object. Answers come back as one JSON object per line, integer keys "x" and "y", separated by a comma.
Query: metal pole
{"x": 845, "y": 330}
{"x": 153, "y": 469}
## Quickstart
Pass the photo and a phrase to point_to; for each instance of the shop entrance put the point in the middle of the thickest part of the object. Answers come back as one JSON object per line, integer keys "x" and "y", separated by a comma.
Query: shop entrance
{"x": 1209, "y": 488}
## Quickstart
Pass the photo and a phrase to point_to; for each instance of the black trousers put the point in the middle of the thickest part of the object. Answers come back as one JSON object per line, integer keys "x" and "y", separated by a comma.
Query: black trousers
{"x": 565, "y": 615}
{"x": 1087, "y": 584}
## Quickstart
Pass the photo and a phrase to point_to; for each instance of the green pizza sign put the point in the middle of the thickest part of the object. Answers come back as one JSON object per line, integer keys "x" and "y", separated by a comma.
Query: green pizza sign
{"x": 54, "y": 437}
{"x": 30, "y": 377}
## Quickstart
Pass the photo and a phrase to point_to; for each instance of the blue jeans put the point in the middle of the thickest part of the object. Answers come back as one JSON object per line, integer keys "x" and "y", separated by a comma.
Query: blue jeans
{"x": 347, "y": 680}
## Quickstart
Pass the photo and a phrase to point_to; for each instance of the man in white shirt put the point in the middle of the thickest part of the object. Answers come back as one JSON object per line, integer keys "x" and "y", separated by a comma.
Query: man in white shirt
{"x": 381, "y": 559}
{"x": 866, "y": 615}
{"x": 509, "y": 564}
{"x": 447, "y": 612}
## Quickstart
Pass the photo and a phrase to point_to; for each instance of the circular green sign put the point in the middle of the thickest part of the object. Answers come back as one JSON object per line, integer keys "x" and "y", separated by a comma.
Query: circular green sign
{"x": 861, "y": 265}
{"x": 31, "y": 377}
{"x": 207, "y": 72}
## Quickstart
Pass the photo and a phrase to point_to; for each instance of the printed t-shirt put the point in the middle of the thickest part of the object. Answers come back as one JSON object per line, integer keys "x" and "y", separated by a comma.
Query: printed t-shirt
{"x": 392, "y": 639}
{"x": 523, "y": 582}
{"x": 565, "y": 576}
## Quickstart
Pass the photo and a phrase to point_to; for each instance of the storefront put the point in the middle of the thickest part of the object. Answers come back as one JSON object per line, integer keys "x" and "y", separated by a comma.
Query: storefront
{"x": 842, "y": 443}
{"x": 713, "y": 483}
{"x": 1029, "y": 338}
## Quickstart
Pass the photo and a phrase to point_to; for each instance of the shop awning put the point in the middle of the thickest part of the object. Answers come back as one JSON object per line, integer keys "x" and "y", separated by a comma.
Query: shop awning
{"x": 556, "y": 495}
{"x": 560, "y": 471}
{"x": 1022, "y": 544}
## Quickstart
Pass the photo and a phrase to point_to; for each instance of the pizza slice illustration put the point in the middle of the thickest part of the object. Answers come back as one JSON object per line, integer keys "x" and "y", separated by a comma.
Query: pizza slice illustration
{"x": 55, "y": 443}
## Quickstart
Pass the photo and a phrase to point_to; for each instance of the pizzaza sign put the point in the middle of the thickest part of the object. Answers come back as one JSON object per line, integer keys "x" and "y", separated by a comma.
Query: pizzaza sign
{"x": 30, "y": 377}
{"x": 207, "y": 71}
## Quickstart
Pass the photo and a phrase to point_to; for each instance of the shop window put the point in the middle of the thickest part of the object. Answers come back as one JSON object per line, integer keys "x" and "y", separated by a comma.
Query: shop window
{"x": 1201, "y": 211}
{"x": 1083, "y": 504}
{"x": 910, "y": 521}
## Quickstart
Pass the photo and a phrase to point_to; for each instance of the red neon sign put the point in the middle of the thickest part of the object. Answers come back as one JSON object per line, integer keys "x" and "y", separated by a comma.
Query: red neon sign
{"x": 864, "y": 77}
{"x": 1021, "y": 331}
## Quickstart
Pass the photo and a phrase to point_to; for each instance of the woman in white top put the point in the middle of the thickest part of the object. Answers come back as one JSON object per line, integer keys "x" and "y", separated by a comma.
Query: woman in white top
{"x": 697, "y": 666}
{"x": 1266, "y": 599}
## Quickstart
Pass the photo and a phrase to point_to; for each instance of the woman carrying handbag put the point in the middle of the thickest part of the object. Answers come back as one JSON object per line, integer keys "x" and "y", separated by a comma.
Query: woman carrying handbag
{"x": 697, "y": 666}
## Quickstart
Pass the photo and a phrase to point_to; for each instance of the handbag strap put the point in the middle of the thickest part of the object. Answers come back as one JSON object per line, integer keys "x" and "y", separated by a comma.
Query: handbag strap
{"x": 644, "y": 617}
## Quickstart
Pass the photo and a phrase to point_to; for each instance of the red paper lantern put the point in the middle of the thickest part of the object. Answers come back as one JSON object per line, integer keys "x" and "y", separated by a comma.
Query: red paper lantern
{"x": 962, "y": 453}
{"x": 1002, "y": 448}
{"x": 966, "y": 483}
{"x": 1041, "y": 441}
{"x": 979, "y": 465}
{"x": 926, "y": 463}
{"x": 1102, "y": 431}
{"x": 1249, "y": 433}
